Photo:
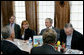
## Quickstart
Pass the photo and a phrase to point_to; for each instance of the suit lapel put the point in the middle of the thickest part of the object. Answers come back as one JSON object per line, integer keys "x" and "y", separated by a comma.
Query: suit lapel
{"x": 14, "y": 27}
{"x": 72, "y": 41}
{"x": 65, "y": 36}
{"x": 53, "y": 28}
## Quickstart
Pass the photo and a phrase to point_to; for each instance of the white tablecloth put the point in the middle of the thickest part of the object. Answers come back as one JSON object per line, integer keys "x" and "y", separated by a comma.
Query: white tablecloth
{"x": 22, "y": 45}
{"x": 26, "y": 47}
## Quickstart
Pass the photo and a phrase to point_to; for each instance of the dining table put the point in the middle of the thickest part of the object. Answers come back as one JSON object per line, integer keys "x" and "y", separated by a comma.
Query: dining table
{"x": 25, "y": 46}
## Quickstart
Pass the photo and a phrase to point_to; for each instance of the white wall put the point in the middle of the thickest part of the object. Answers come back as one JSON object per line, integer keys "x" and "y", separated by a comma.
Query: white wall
{"x": 76, "y": 15}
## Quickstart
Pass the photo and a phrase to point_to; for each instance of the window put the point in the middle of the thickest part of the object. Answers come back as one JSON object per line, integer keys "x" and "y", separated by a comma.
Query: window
{"x": 46, "y": 10}
{"x": 20, "y": 11}
{"x": 76, "y": 13}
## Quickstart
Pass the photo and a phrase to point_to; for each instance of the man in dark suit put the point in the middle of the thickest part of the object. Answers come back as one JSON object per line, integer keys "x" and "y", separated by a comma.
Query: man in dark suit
{"x": 14, "y": 27}
{"x": 7, "y": 44}
{"x": 48, "y": 24}
{"x": 72, "y": 38}
{"x": 49, "y": 38}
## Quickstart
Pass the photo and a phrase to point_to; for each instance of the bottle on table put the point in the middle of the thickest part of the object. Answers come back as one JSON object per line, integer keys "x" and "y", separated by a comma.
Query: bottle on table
{"x": 30, "y": 41}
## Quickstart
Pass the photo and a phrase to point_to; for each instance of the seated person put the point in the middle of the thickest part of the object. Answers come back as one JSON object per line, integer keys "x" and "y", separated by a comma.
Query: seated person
{"x": 49, "y": 37}
{"x": 7, "y": 44}
{"x": 48, "y": 24}
{"x": 14, "y": 27}
{"x": 71, "y": 37}
{"x": 26, "y": 32}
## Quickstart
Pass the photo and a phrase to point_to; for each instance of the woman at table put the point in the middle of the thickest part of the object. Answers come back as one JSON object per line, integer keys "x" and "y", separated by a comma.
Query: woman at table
{"x": 26, "y": 32}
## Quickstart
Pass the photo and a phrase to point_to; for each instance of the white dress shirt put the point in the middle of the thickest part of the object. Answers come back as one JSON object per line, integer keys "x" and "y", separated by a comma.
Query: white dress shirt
{"x": 68, "y": 41}
{"x": 12, "y": 27}
{"x": 11, "y": 41}
{"x": 50, "y": 27}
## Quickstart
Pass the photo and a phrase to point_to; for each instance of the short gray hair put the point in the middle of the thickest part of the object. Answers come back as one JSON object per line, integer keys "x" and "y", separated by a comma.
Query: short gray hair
{"x": 6, "y": 32}
{"x": 68, "y": 25}
{"x": 51, "y": 21}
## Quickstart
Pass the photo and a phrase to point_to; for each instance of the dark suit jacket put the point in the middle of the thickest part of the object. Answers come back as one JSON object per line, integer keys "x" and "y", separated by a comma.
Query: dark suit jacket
{"x": 77, "y": 39}
{"x": 45, "y": 49}
{"x": 10, "y": 48}
{"x": 17, "y": 31}
{"x": 57, "y": 30}
{"x": 29, "y": 33}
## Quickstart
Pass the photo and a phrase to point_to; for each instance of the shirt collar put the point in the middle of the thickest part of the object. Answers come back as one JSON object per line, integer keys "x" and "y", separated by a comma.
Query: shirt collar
{"x": 71, "y": 34}
{"x": 50, "y": 27}
{"x": 10, "y": 41}
{"x": 50, "y": 45}
{"x": 12, "y": 24}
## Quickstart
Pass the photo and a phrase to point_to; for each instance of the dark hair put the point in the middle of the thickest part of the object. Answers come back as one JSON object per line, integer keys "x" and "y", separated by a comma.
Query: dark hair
{"x": 68, "y": 25}
{"x": 49, "y": 36}
{"x": 13, "y": 16}
{"x": 51, "y": 21}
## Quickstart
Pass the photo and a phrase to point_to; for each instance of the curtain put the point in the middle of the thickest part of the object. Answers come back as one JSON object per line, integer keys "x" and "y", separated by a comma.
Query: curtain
{"x": 62, "y": 14}
{"x": 7, "y": 11}
{"x": 31, "y": 14}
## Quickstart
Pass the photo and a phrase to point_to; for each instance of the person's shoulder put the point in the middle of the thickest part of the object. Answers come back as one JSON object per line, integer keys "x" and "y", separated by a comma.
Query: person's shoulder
{"x": 77, "y": 32}
{"x": 56, "y": 28}
{"x": 35, "y": 48}
{"x": 6, "y": 43}
{"x": 3, "y": 41}
{"x": 17, "y": 24}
